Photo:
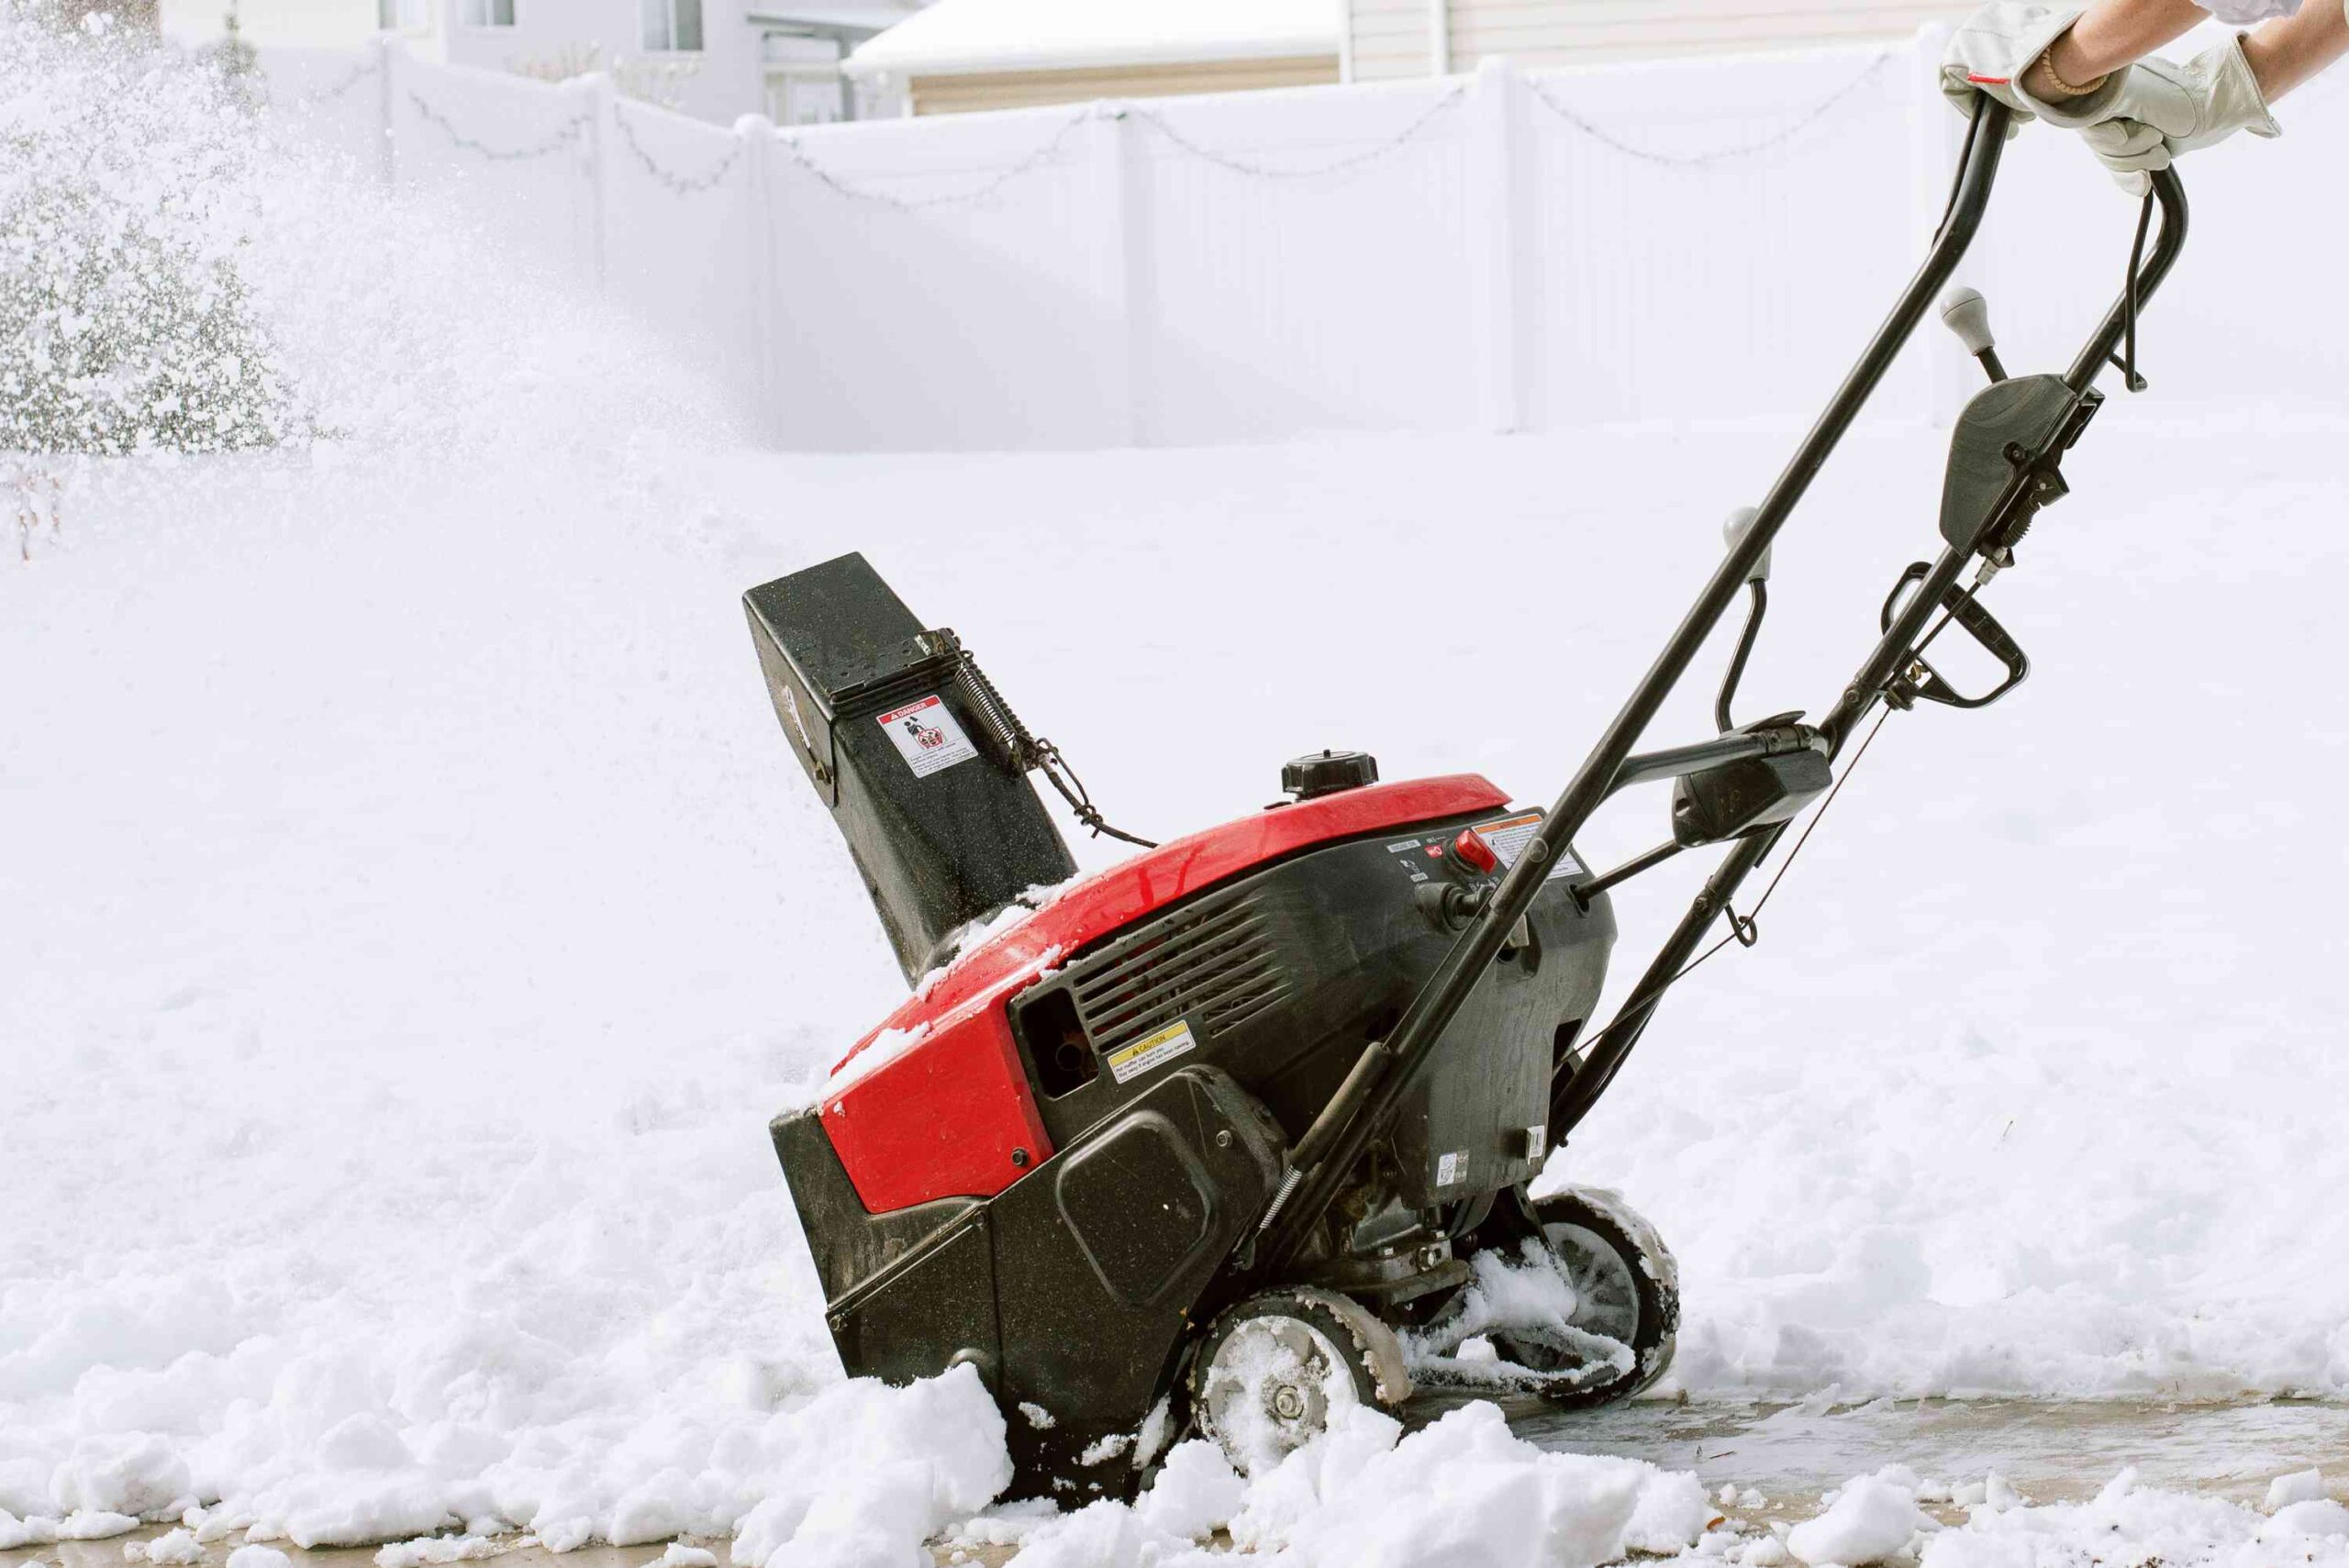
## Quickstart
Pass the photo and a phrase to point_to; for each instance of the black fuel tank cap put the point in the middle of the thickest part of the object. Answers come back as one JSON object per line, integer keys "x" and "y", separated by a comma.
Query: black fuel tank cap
{"x": 1327, "y": 773}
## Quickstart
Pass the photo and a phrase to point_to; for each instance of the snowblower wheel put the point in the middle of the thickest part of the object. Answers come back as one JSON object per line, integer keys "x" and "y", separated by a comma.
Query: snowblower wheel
{"x": 1626, "y": 1285}
{"x": 1276, "y": 1369}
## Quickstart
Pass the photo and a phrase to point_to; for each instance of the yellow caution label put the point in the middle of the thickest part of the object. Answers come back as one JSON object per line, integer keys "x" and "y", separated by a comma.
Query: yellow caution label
{"x": 1151, "y": 1051}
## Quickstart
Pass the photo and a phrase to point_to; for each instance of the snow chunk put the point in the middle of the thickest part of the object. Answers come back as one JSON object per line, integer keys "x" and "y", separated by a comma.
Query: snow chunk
{"x": 35, "y": 1531}
{"x": 1008, "y": 1525}
{"x": 2301, "y": 1486}
{"x": 92, "y": 1524}
{"x": 1672, "y": 1514}
{"x": 2317, "y": 1515}
{"x": 259, "y": 1557}
{"x": 1196, "y": 1493}
{"x": 1106, "y": 1448}
{"x": 680, "y": 1555}
{"x": 436, "y": 1549}
{"x": 1872, "y": 1519}
{"x": 173, "y": 1546}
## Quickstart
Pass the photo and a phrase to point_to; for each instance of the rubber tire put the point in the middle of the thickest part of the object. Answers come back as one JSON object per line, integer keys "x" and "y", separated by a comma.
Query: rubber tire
{"x": 1654, "y": 1277}
{"x": 1374, "y": 1363}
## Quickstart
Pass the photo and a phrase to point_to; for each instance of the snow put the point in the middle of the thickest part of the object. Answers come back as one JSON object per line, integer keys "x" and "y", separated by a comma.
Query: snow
{"x": 955, "y": 37}
{"x": 1194, "y": 1493}
{"x": 2124, "y": 1523}
{"x": 1522, "y": 1290}
{"x": 2299, "y": 1486}
{"x": 433, "y": 1549}
{"x": 876, "y": 1053}
{"x": 413, "y": 915}
{"x": 1462, "y": 1489}
{"x": 1872, "y": 1519}
{"x": 2319, "y": 1517}
{"x": 178, "y": 1546}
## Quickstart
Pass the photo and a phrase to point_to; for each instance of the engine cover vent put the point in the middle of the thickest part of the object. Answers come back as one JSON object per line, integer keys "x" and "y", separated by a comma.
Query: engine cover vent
{"x": 1216, "y": 967}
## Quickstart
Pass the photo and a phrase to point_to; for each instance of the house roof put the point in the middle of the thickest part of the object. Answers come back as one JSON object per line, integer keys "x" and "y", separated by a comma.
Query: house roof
{"x": 961, "y": 38}
{"x": 846, "y": 16}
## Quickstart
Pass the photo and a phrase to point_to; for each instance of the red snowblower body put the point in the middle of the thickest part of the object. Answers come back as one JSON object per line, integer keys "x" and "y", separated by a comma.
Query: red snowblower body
{"x": 1202, "y": 1140}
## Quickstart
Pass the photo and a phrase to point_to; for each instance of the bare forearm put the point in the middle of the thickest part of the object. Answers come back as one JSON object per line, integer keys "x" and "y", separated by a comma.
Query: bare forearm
{"x": 2283, "y": 54}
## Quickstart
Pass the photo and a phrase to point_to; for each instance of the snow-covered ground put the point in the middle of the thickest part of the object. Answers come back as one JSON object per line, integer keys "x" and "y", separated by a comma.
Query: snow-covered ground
{"x": 412, "y": 916}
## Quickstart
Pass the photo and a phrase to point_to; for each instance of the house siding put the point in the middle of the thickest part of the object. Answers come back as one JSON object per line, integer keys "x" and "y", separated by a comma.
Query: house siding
{"x": 1032, "y": 89}
{"x": 1390, "y": 38}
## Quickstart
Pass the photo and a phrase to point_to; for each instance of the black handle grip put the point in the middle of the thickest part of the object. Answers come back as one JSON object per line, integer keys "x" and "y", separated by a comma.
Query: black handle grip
{"x": 1978, "y": 623}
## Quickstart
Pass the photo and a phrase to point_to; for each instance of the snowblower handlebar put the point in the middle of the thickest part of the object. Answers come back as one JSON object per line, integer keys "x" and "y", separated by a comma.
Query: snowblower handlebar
{"x": 1353, "y": 1115}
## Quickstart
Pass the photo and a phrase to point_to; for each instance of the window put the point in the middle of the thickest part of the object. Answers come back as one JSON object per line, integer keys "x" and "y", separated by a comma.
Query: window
{"x": 401, "y": 16}
{"x": 672, "y": 24}
{"x": 489, "y": 12}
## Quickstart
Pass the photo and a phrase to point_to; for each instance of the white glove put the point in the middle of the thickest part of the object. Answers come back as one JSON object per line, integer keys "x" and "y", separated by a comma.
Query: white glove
{"x": 1993, "y": 47}
{"x": 2163, "y": 108}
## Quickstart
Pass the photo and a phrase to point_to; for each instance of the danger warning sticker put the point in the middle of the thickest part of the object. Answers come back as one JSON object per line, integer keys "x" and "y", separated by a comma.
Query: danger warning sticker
{"x": 1509, "y": 837}
{"x": 927, "y": 737}
{"x": 1151, "y": 1051}
{"x": 1452, "y": 1167}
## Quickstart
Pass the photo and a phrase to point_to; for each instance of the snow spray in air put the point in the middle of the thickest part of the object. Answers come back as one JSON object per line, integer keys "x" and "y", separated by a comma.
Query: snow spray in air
{"x": 185, "y": 269}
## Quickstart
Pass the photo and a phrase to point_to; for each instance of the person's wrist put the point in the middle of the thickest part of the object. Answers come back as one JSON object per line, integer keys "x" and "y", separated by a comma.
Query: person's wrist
{"x": 2061, "y": 71}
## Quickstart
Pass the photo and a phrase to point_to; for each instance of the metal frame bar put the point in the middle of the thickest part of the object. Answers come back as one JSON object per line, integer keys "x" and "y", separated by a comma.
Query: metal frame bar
{"x": 1355, "y": 1113}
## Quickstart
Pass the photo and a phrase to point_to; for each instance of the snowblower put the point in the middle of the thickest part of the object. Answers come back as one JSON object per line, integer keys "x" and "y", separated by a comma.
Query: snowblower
{"x": 1202, "y": 1141}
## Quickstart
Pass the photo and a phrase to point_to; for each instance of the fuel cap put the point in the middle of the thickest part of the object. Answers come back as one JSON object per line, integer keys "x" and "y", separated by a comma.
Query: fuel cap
{"x": 1326, "y": 772}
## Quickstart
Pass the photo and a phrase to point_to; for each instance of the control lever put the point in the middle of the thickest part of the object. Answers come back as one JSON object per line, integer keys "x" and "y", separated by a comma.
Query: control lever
{"x": 1757, "y": 579}
{"x": 1967, "y": 314}
{"x": 1921, "y": 680}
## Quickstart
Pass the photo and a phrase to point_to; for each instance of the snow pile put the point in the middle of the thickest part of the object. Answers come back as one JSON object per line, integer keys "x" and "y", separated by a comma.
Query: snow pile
{"x": 2126, "y": 1523}
{"x": 1461, "y": 1490}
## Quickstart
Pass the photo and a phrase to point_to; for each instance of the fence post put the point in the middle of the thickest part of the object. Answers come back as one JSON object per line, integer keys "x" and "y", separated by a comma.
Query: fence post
{"x": 387, "y": 59}
{"x": 1121, "y": 196}
{"x": 759, "y": 153}
{"x": 1935, "y": 136}
{"x": 1496, "y": 240}
{"x": 599, "y": 108}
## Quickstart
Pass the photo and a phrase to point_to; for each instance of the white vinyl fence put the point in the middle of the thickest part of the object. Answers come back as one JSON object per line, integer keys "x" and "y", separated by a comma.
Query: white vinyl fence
{"x": 1689, "y": 240}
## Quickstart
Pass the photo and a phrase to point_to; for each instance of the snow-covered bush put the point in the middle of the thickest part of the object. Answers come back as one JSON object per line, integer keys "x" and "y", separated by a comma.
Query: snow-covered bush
{"x": 124, "y": 323}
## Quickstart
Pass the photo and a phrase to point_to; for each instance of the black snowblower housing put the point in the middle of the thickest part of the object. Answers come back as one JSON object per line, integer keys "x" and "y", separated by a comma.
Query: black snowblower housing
{"x": 881, "y": 717}
{"x": 1192, "y": 1142}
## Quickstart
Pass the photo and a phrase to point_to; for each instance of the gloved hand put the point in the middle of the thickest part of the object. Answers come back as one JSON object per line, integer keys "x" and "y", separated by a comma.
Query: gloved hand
{"x": 2163, "y": 108}
{"x": 1993, "y": 48}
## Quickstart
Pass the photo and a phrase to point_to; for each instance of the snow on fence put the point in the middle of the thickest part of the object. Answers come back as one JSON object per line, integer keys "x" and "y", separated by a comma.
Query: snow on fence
{"x": 1686, "y": 239}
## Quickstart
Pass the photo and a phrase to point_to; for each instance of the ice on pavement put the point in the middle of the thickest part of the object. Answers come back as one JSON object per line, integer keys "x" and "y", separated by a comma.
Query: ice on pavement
{"x": 413, "y": 915}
